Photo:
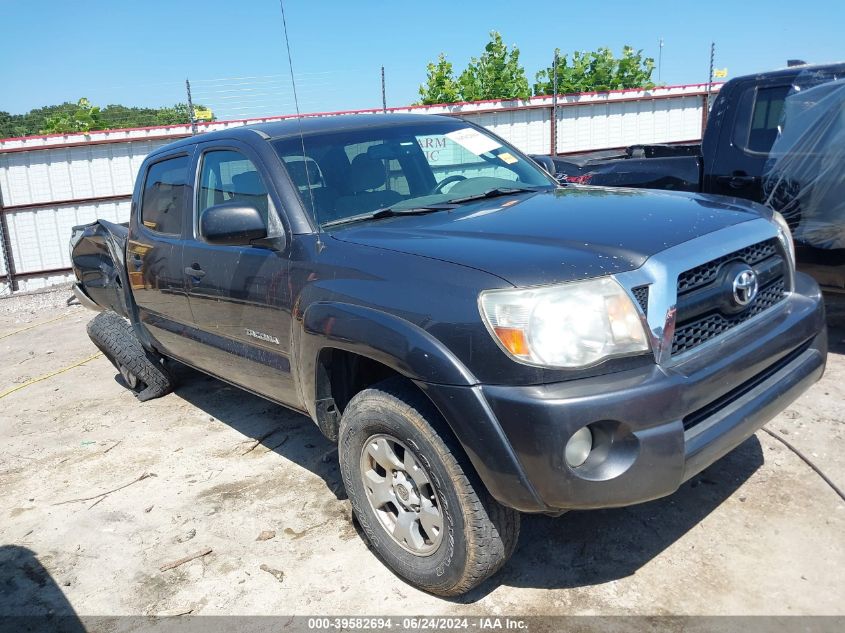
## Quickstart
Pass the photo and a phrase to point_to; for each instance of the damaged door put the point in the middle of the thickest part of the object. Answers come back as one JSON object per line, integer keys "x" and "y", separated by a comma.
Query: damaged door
{"x": 239, "y": 295}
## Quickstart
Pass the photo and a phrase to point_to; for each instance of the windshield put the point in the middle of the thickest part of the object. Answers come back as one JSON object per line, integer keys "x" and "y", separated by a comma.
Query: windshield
{"x": 355, "y": 172}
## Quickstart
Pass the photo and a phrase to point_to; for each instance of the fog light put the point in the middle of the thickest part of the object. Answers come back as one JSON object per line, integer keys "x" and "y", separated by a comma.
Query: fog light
{"x": 578, "y": 447}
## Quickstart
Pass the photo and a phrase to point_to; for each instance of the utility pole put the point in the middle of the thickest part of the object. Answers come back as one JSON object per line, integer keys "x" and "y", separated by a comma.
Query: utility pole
{"x": 660, "y": 61}
{"x": 383, "y": 93}
{"x": 554, "y": 105}
{"x": 191, "y": 108}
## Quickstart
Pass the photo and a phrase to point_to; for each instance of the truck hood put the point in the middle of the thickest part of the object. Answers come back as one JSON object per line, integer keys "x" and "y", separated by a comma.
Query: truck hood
{"x": 554, "y": 236}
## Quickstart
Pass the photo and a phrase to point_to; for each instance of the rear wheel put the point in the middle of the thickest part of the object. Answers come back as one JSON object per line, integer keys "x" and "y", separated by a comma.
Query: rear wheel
{"x": 418, "y": 500}
{"x": 141, "y": 371}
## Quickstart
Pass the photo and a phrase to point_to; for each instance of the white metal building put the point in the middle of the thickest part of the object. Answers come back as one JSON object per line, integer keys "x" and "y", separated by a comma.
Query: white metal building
{"x": 49, "y": 184}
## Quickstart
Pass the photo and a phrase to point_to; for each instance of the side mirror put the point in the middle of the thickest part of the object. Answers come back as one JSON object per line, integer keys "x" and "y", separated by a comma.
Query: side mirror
{"x": 232, "y": 224}
{"x": 545, "y": 162}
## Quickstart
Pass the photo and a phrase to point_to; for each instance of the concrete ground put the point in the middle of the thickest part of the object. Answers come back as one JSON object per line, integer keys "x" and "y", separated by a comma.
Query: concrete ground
{"x": 210, "y": 467}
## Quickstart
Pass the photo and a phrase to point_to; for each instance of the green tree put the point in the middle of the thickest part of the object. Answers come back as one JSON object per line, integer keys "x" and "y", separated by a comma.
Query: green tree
{"x": 440, "y": 85}
{"x": 597, "y": 71}
{"x": 83, "y": 118}
{"x": 35, "y": 120}
{"x": 174, "y": 115}
{"x": 495, "y": 75}
{"x": 7, "y": 124}
{"x": 116, "y": 116}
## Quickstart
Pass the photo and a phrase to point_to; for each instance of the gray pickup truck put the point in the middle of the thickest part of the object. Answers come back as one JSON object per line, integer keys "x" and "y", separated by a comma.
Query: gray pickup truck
{"x": 479, "y": 341}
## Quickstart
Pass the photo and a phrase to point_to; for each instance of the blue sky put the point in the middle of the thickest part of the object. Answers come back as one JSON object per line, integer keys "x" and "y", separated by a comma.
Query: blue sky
{"x": 139, "y": 53}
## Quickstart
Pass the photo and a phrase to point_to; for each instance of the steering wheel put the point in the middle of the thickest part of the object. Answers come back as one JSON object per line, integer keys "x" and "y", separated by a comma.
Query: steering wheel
{"x": 439, "y": 186}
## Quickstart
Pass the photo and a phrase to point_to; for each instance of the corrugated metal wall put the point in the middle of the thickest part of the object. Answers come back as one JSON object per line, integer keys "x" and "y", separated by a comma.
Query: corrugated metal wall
{"x": 593, "y": 126}
{"x": 46, "y": 192}
{"x": 48, "y": 184}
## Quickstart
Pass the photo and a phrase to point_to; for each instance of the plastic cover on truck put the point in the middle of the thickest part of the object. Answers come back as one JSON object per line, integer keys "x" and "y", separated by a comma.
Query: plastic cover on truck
{"x": 804, "y": 177}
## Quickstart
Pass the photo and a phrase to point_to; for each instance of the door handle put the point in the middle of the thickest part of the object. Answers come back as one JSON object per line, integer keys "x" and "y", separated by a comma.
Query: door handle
{"x": 737, "y": 181}
{"x": 194, "y": 271}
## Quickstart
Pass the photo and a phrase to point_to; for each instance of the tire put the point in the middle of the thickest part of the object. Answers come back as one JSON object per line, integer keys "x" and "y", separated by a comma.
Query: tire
{"x": 476, "y": 535}
{"x": 142, "y": 371}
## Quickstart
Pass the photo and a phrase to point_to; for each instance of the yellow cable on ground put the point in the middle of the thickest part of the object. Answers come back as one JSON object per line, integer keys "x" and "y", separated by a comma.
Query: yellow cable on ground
{"x": 29, "y": 327}
{"x": 46, "y": 376}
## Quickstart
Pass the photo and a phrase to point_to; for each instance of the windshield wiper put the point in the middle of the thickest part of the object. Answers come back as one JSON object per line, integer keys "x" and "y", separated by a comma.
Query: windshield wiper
{"x": 390, "y": 212}
{"x": 494, "y": 193}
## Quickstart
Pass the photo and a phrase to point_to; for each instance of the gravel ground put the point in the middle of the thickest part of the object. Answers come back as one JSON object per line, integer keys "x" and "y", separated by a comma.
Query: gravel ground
{"x": 757, "y": 533}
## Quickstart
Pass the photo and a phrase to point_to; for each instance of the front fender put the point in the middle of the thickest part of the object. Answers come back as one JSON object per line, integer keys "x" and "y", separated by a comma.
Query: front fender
{"x": 414, "y": 353}
{"x": 407, "y": 349}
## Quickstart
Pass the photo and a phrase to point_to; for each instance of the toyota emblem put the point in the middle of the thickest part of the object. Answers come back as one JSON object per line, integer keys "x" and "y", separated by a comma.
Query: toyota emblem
{"x": 745, "y": 287}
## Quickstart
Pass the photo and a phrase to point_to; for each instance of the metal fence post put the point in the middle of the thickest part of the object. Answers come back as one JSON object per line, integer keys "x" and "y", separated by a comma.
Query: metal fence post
{"x": 6, "y": 248}
{"x": 383, "y": 93}
{"x": 554, "y": 106}
{"x": 710, "y": 80}
{"x": 191, "y": 107}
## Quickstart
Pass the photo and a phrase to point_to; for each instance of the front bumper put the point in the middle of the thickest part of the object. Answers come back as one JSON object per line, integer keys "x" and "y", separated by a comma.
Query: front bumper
{"x": 658, "y": 425}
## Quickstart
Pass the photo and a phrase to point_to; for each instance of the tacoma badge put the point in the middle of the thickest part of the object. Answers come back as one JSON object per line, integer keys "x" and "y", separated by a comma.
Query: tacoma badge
{"x": 261, "y": 336}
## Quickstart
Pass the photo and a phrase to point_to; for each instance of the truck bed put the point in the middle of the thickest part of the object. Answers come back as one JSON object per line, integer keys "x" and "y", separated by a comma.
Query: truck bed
{"x": 673, "y": 167}
{"x": 97, "y": 252}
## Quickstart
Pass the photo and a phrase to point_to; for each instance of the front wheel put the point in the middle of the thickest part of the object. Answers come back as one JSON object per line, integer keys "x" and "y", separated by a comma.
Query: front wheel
{"x": 415, "y": 495}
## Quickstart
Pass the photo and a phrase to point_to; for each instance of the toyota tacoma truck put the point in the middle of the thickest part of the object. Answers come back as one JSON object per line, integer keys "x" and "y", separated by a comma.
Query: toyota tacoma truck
{"x": 478, "y": 340}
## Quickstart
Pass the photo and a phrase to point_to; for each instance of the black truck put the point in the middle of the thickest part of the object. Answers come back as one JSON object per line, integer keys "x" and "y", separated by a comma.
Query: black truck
{"x": 743, "y": 154}
{"x": 479, "y": 340}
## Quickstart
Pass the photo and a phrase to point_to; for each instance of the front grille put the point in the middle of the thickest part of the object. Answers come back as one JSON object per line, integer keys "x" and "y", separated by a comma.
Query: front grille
{"x": 695, "y": 333}
{"x": 706, "y": 273}
{"x": 702, "y": 314}
{"x": 641, "y": 295}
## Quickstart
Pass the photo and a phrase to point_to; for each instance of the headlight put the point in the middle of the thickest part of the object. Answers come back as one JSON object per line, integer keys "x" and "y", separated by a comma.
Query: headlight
{"x": 785, "y": 236}
{"x": 569, "y": 325}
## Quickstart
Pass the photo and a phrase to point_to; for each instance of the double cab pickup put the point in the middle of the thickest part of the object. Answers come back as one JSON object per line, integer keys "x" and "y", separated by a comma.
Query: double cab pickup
{"x": 479, "y": 340}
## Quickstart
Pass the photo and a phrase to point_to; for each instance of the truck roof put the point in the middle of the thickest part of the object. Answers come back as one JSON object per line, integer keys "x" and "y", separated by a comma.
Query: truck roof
{"x": 337, "y": 122}
{"x": 794, "y": 71}
{"x": 307, "y": 125}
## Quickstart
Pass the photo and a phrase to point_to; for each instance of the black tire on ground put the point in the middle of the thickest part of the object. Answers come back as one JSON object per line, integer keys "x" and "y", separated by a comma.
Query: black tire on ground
{"x": 478, "y": 534}
{"x": 142, "y": 371}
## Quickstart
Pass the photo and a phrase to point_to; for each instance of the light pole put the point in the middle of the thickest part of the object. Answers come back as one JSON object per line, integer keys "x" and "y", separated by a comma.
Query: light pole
{"x": 660, "y": 60}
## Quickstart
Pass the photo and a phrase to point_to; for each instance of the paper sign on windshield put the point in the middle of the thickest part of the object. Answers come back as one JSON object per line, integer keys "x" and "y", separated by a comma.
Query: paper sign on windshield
{"x": 473, "y": 140}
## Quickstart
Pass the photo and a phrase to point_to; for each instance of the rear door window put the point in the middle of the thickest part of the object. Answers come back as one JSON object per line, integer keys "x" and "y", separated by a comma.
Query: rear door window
{"x": 163, "y": 202}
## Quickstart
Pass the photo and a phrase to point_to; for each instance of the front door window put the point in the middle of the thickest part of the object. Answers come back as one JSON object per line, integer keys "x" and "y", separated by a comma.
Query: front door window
{"x": 229, "y": 176}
